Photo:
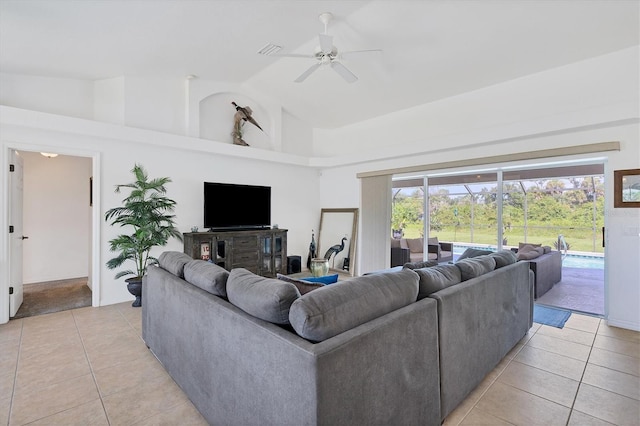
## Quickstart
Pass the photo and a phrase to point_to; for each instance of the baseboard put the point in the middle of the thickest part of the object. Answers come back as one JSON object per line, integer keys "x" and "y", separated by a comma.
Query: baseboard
{"x": 623, "y": 324}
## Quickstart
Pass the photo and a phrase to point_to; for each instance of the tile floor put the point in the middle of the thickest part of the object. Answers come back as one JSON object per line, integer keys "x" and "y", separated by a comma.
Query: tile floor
{"x": 90, "y": 366}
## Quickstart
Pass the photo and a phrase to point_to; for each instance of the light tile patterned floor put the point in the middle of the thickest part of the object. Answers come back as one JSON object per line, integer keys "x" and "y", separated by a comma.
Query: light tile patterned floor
{"x": 90, "y": 366}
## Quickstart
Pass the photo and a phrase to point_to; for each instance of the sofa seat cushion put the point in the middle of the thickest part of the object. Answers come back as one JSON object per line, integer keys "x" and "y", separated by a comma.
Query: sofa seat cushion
{"x": 266, "y": 298}
{"x": 504, "y": 258}
{"x": 303, "y": 286}
{"x": 475, "y": 266}
{"x": 436, "y": 278}
{"x": 336, "y": 308}
{"x": 174, "y": 261}
{"x": 207, "y": 276}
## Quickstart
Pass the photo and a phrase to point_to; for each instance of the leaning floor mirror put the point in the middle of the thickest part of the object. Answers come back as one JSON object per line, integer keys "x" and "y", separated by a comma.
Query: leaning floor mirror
{"x": 337, "y": 237}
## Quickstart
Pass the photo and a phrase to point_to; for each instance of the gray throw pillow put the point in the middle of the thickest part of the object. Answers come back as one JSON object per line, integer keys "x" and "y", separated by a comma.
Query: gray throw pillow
{"x": 339, "y": 307}
{"x": 504, "y": 258}
{"x": 529, "y": 252}
{"x": 436, "y": 278}
{"x": 473, "y": 252}
{"x": 266, "y": 298}
{"x": 303, "y": 286}
{"x": 475, "y": 266}
{"x": 419, "y": 265}
{"x": 174, "y": 261}
{"x": 207, "y": 276}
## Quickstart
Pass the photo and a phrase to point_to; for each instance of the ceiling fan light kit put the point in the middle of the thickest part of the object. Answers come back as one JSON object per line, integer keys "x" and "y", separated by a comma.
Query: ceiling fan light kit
{"x": 325, "y": 54}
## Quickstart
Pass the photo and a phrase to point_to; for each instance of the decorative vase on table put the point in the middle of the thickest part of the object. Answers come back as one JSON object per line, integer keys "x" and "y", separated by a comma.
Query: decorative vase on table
{"x": 134, "y": 285}
{"x": 319, "y": 267}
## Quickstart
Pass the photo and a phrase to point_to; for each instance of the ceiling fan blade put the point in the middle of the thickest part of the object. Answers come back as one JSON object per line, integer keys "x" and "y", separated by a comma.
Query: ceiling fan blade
{"x": 358, "y": 52}
{"x": 326, "y": 43}
{"x": 344, "y": 72}
{"x": 307, "y": 73}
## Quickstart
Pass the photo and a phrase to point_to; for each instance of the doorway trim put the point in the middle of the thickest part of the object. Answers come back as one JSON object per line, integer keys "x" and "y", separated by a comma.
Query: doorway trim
{"x": 94, "y": 262}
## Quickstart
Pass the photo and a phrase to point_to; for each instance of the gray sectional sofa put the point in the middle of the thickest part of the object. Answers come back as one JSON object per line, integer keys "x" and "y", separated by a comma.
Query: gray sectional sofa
{"x": 400, "y": 347}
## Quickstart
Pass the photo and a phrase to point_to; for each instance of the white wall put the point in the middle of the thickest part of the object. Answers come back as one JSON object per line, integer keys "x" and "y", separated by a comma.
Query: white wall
{"x": 62, "y": 96}
{"x": 187, "y": 161}
{"x": 56, "y": 217}
{"x": 585, "y": 93}
{"x": 155, "y": 104}
{"x": 109, "y": 102}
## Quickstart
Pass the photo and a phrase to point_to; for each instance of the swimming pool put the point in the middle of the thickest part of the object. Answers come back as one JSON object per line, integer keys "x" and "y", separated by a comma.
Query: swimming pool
{"x": 572, "y": 260}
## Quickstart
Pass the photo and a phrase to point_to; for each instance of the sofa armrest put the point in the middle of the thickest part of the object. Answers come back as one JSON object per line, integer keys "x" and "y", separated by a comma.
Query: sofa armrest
{"x": 434, "y": 248}
{"x": 446, "y": 246}
{"x": 400, "y": 256}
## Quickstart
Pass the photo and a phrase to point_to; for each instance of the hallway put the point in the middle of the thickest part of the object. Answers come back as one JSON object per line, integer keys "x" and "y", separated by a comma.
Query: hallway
{"x": 54, "y": 296}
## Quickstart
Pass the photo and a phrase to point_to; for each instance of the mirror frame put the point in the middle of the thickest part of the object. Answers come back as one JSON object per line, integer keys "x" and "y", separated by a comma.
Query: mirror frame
{"x": 618, "y": 188}
{"x": 352, "y": 241}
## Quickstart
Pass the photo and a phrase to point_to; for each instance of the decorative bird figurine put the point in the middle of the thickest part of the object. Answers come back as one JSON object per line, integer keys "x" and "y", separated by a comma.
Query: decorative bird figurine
{"x": 244, "y": 113}
{"x": 333, "y": 250}
{"x": 312, "y": 250}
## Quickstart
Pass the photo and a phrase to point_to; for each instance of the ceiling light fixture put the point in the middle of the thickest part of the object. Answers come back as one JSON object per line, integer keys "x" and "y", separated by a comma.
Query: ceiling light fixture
{"x": 49, "y": 154}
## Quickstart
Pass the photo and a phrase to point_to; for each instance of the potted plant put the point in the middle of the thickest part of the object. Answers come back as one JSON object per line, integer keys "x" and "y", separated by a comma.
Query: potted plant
{"x": 147, "y": 212}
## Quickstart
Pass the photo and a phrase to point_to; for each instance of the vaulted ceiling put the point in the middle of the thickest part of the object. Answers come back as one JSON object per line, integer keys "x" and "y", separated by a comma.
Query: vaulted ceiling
{"x": 431, "y": 49}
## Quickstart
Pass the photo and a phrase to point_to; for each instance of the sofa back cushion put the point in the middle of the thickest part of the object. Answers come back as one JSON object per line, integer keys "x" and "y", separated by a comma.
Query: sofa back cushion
{"x": 416, "y": 245}
{"x": 174, "y": 261}
{"x": 421, "y": 264}
{"x": 475, "y": 266}
{"x": 208, "y": 276}
{"x": 473, "y": 252}
{"x": 436, "y": 278}
{"x": 336, "y": 308}
{"x": 266, "y": 298}
{"x": 504, "y": 258}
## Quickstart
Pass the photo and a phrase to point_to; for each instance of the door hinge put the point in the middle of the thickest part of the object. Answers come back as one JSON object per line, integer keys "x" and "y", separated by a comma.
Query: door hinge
{"x": 12, "y": 168}
{"x": 11, "y": 229}
{"x": 10, "y": 290}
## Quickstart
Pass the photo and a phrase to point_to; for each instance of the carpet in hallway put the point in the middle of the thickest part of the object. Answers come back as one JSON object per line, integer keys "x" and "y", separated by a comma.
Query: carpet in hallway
{"x": 54, "y": 296}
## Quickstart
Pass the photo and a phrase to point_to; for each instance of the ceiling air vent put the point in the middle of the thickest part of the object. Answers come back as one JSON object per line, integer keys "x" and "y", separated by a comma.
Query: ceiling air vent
{"x": 269, "y": 49}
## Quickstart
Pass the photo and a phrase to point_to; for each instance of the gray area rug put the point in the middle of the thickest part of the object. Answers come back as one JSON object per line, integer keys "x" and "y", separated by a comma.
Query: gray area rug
{"x": 54, "y": 296}
{"x": 581, "y": 289}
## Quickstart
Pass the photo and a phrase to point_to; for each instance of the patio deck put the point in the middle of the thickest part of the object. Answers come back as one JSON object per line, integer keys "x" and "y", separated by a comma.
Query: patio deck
{"x": 581, "y": 290}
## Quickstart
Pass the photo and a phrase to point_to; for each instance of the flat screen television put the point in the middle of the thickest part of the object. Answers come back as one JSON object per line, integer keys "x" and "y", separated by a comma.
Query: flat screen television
{"x": 228, "y": 205}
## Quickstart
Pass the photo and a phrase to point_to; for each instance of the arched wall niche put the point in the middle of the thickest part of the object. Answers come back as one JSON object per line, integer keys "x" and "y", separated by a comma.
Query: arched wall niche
{"x": 216, "y": 120}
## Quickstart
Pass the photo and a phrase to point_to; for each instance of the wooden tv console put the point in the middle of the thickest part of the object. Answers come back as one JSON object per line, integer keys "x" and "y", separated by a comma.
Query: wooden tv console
{"x": 261, "y": 251}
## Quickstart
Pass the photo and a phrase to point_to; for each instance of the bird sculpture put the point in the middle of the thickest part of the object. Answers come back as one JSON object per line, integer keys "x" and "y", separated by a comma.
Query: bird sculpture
{"x": 312, "y": 250}
{"x": 244, "y": 114}
{"x": 334, "y": 250}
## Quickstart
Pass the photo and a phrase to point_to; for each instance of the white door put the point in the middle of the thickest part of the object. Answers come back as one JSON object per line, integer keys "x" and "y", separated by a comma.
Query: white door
{"x": 15, "y": 220}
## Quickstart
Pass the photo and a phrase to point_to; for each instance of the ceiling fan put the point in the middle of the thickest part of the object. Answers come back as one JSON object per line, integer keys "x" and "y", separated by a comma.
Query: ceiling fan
{"x": 326, "y": 54}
